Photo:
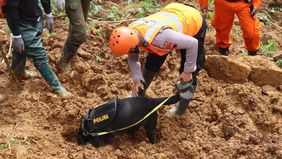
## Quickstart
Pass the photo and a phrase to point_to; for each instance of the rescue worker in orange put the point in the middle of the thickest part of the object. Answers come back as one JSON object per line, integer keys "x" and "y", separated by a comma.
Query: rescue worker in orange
{"x": 176, "y": 26}
{"x": 223, "y": 21}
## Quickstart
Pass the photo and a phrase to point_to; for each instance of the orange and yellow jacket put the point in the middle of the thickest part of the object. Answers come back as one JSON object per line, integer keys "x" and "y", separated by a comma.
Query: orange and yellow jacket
{"x": 178, "y": 17}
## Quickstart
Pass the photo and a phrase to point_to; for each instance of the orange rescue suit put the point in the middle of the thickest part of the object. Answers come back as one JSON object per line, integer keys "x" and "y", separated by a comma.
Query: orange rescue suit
{"x": 2, "y": 3}
{"x": 181, "y": 18}
{"x": 223, "y": 21}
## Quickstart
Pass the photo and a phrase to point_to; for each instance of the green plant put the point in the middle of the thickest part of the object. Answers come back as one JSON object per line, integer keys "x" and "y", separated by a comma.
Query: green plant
{"x": 3, "y": 146}
{"x": 279, "y": 63}
{"x": 268, "y": 49}
{"x": 99, "y": 32}
{"x": 146, "y": 7}
{"x": 95, "y": 9}
{"x": 98, "y": 58}
{"x": 263, "y": 17}
{"x": 54, "y": 8}
{"x": 114, "y": 14}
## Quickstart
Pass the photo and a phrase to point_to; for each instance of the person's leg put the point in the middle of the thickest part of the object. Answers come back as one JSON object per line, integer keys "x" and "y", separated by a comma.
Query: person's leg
{"x": 222, "y": 22}
{"x": 251, "y": 30}
{"x": 18, "y": 63}
{"x": 180, "y": 108}
{"x": 152, "y": 66}
{"x": 85, "y": 7}
{"x": 76, "y": 35}
{"x": 34, "y": 49}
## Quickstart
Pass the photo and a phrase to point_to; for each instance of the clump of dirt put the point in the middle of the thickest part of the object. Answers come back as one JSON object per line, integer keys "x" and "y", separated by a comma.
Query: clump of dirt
{"x": 236, "y": 115}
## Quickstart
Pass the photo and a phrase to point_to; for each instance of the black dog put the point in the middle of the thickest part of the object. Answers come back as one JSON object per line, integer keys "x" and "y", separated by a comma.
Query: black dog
{"x": 121, "y": 115}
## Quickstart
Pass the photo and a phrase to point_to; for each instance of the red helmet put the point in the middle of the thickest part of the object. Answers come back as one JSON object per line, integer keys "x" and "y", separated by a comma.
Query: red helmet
{"x": 122, "y": 40}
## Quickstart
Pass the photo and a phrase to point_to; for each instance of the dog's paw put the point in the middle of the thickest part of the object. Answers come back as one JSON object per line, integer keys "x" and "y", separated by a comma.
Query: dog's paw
{"x": 96, "y": 141}
{"x": 81, "y": 139}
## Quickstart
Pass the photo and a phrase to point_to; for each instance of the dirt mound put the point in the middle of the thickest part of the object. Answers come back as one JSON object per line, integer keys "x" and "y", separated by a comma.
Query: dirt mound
{"x": 241, "y": 69}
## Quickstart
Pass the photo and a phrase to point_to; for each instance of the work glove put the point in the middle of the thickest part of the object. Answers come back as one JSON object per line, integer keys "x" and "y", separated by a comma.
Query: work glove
{"x": 186, "y": 90}
{"x": 18, "y": 44}
{"x": 60, "y": 4}
{"x": 49, "y": 22}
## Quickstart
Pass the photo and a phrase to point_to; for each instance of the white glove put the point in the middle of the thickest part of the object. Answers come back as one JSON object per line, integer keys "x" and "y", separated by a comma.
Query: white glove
{"x": 60, "y": 4}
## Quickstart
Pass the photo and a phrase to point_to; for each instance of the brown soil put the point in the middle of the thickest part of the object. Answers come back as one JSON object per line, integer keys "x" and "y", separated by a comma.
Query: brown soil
{"x": 233, "y": 117}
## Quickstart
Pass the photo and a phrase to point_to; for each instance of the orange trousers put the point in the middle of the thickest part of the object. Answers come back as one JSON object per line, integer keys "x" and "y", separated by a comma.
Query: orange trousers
{"x": 223, "y": 20}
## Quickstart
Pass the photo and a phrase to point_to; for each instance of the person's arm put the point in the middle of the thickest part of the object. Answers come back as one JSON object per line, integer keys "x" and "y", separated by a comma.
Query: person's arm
{"x": 49, "y": 18}
{"x": 180, "y": 41}
{"x": 12, "y": 16}
{"x": 13, "y": 20}
{"x": 46, "y": 4}
{"x": 135, "y": 65}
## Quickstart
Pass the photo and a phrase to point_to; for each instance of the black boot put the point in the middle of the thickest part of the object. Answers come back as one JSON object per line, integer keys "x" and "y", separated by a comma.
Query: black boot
{"x": 224, "y": 51}
{"x": 148, "y": 77}
{"x": 69, "y": 50}
{"x": 252, "y": 53}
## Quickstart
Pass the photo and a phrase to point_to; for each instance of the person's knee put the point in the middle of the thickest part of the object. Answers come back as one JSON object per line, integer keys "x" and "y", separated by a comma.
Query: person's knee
{"x": 78, "y": 36}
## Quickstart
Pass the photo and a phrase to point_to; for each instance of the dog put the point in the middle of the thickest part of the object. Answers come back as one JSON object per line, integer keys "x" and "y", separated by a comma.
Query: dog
{"x": 123, "y": 115}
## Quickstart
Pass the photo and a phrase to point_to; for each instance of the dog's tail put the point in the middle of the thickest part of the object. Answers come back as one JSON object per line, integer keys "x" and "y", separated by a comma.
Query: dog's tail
{"x": 172, "y": 100}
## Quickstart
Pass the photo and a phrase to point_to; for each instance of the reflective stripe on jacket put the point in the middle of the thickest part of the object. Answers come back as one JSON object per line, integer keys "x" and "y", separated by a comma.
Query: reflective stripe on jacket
{"x": 181, "y": 18}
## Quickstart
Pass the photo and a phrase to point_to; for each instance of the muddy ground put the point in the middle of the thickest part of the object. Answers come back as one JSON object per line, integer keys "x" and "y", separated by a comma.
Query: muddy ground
{"x": 237, "y": 114}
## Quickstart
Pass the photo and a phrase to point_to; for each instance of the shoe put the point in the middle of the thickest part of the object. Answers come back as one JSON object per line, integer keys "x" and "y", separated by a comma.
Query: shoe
{"x": 252, "y": 53}
{"x": 64, "y": 93}
{"x": 63, "y": 67}
{"x": 28, "y": 74}
{"x": 224, "y": 51}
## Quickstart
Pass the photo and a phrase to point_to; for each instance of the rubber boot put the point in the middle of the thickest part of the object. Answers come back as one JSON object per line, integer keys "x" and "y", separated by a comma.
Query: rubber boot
{"x": 53, "y": 81}
{"x": 252, "y": 53}
{"x": 148, "y": 77}
{"x": 63, "y": 65}
{"x": 224, "y": 51}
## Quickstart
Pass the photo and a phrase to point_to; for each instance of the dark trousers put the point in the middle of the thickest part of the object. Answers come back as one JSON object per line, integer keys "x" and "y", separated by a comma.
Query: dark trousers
{"x": 77, "y": 11}
{"x": 31, "y": 34}
{"x": 154, "y": 62}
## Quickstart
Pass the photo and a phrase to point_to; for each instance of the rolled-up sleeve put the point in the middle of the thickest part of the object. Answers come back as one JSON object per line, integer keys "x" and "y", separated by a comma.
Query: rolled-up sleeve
{"x": 135, "y": 66}
{"x": 180, "y": 41}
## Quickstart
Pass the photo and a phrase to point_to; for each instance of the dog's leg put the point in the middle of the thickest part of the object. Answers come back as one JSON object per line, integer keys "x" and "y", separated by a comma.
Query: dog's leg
{"x": 150, "y": 127}
{"x": 96, "y": 141}
{"x": 81, "y": 139}
{"x": 131, "y": 131}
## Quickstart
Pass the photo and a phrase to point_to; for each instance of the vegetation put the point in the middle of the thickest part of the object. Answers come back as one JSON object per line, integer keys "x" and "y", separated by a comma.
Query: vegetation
{"x": 279, "y": 63}
{"x": 269, "y": 49}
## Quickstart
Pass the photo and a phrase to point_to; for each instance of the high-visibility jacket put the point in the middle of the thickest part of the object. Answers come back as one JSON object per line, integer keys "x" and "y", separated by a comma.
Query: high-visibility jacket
{"x": 181, "y": 18}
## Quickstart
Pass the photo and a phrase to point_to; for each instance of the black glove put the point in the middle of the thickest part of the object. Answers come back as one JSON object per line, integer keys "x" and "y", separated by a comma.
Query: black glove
{"x": 18, "y": 44}
{"x": 186, "y": 90}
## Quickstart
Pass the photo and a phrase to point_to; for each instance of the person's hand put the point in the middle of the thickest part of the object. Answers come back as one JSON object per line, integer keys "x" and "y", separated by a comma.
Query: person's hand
{"x": 49, "y": 22}
{"x": 253, "y": 10}
{"x": 137, "y": 85}
{"x": 18, "y": 44}
{"x": 185, "y": 77}
{"x": 60, "y": 4}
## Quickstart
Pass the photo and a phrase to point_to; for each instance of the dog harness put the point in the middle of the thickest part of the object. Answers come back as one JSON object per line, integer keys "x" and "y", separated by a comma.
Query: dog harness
{"x": 102, "y": 119}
